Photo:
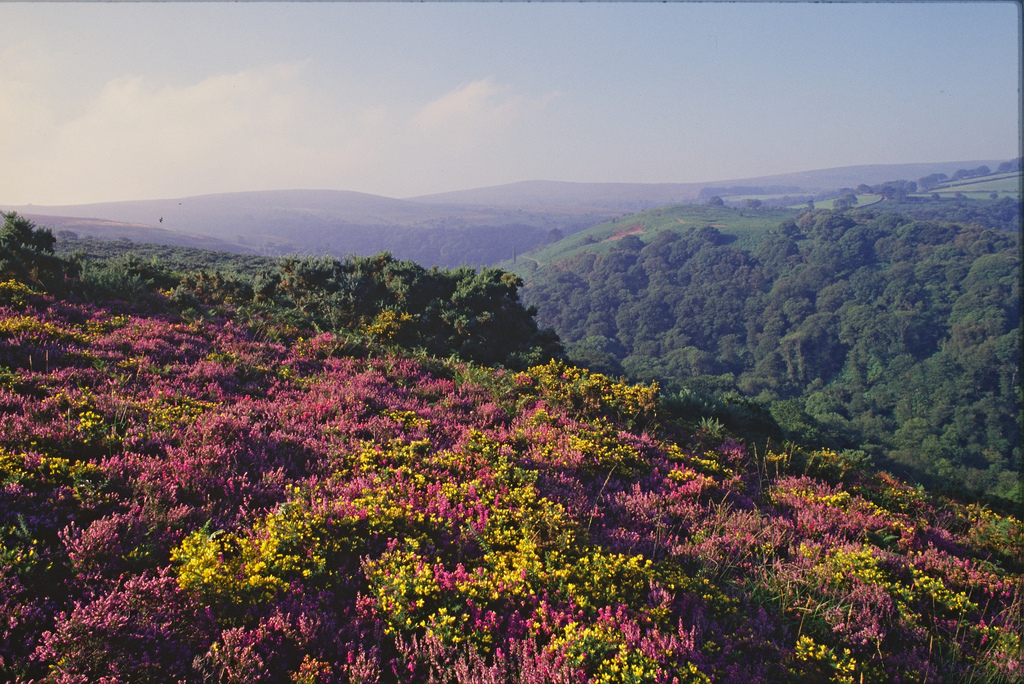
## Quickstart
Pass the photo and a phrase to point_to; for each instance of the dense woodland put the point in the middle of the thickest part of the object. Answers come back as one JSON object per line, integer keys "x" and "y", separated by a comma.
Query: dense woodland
{"x": 868, "y": 330}
{"x": 331, "y": 472}
{"x": 1002, "y": 214}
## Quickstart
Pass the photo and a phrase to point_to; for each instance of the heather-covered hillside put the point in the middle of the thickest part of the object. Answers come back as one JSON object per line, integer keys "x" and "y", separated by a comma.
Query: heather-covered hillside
{"x": 191, "y": 499}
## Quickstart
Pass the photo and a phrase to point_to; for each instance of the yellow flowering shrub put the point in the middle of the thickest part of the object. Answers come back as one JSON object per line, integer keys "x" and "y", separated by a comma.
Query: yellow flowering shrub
{"x": 956, "y": 602}
{"x": 841, "y": 564}
{"x": 233, "y": 569}
{"x": 89, "y": 422}
{"x": 833, "y": 466}
{"x": 529, "y": 547}
{"x": 388, "y": 325}
{"x": 224, "y": 569}
{"x": 598, "y": 579}
{"x": 522, "y": 533}
{"x": 595, "y": 443}
{"x": 593, "y": 393}
{"x": 86, "y": 479}
{"x": 14, "y": 293}
{"x": 708, "y": 463}
{"x": 919, "y": 597}
{"x": 103, "y": 326}
{"x": 895, "y": 496}
{"x": 776, "y": 464}
{"x": 403, "y": 583}
{"x": 40, "y": 330}
{"x": 393, "y": 475}
{"x": 167, "y": 412}
{"x": 840, "y": 668}
{"x": 409, "y": 420}
{"x": 602, "y": 649}
{"x": 989, "y": 531}
{"x": 21, "y": 548}
{"x": 673, "y": 578}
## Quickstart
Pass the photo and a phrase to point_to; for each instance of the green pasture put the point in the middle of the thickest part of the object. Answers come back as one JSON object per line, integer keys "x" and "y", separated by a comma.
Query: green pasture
{"x": 995, "y": 182}
{"x": 1007, "y": 185}
{"x": 745, "y": 225}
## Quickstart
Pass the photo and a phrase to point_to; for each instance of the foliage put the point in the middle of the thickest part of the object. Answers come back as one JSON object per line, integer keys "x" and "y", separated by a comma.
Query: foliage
{"x": 473, "y": 315}
{"x": 1002, "y": 214}
{"x": 172, "y": 258}
{"x": 26, "y": 253}
{"x": 860, "y": 330}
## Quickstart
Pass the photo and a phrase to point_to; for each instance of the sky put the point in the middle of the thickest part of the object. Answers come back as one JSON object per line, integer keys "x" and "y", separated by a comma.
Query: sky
{"x": 120, "y": 101}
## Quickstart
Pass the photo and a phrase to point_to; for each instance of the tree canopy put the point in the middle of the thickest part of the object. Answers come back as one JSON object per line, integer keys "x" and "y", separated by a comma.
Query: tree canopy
{"x": 868, "y": 330}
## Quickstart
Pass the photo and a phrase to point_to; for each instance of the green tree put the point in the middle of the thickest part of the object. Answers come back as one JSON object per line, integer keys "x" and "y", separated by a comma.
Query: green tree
{"x": 847, "y": 200}
{"x": 26, "y": 252}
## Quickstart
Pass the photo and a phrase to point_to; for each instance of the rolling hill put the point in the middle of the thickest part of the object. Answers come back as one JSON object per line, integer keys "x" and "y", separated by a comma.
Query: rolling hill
{"x": 323, "y": 222}
{"x": 737, "y": 225}
{"x": 639, "y": 196}
{"x": 68, "y": 228}
{"x": 473, "y": 227}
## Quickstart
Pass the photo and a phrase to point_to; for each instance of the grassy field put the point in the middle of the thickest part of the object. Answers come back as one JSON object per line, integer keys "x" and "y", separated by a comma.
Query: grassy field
{"x": 744, "y": 225}
{"x": 997, "y": 180}
{"x": 1007, "y": 185}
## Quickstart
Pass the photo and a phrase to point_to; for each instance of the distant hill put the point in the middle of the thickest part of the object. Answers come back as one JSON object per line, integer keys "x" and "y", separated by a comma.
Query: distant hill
{"x": 473, "y": 227}
{"x": 619, "y": 196}
{"x": 639, "y": 196}
{"x": 250, "y": 215}
{"x": 870, "y": 174}
{"x": 69, "y": 228}
{"x": 323, "y": 222}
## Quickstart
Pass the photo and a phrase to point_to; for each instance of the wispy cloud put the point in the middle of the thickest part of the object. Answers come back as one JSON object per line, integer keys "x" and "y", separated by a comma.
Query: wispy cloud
{"x": 479, "y": 108}
{"x": 137, "y": 136}
{"x": 227, "y": 124}
{"x": 255, "y": 129}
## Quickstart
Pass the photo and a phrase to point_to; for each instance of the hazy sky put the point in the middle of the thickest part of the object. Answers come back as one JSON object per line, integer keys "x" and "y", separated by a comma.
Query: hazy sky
{"x": 104, "y": 102}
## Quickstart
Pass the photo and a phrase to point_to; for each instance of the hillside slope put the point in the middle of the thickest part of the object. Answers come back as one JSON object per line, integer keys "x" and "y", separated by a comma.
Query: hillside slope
{"x": 193, "y": 500}
{"x": 745, "y": 228}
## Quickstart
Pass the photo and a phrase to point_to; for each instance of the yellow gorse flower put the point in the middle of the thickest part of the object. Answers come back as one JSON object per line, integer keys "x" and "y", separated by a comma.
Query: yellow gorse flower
{"x": 14, "y": 292}
{"x": 387, "y": 325}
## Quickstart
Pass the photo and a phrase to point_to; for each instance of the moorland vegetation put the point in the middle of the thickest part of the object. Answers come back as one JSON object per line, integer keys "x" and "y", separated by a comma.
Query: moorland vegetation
{"x": 365, "y": 471}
